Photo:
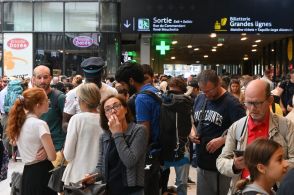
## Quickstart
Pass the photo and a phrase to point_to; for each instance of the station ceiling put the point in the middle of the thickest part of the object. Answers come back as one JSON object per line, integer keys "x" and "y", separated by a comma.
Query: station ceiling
{"x": 232, "y": 51}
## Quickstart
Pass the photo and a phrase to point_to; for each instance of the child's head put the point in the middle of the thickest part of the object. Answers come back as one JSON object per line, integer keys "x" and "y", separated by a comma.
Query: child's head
{"x": 265, "y": 158}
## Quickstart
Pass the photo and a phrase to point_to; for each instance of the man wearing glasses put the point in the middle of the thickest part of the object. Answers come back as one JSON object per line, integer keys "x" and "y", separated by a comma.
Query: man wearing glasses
{"x": 212, "y": 119}
{"x": 260, "y": 123}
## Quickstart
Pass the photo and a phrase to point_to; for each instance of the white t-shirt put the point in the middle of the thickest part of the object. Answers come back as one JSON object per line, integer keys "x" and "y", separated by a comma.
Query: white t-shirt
{"x": 72, "y": 106}
{"x": 29, "y": 141}
{"x": 81, "y": 147}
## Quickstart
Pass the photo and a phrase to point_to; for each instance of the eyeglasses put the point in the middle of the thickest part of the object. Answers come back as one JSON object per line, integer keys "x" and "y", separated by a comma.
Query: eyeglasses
{"x": 255, "y": 104}
{"x": 209, "y": 91}
{"x": 115, "y": 107}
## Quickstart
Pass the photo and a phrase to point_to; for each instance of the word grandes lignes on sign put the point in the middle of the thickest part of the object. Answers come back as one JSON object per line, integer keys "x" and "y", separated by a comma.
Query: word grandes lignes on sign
{"x": 246, "y": 24}
{"x": 167, "y": 24}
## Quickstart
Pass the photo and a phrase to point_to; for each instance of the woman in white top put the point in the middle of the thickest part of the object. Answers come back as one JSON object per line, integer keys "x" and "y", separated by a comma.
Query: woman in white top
{"x": 32, "y": 135}
{"x": 82, "y": 140}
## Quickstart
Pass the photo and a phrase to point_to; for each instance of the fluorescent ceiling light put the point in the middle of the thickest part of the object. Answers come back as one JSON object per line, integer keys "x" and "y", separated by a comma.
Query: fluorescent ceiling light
{"x": 213, "y": 35}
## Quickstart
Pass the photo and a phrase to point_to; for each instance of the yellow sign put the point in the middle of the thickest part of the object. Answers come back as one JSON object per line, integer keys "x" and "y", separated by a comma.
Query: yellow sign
{"x": 219, "y": 25}
{"x": 290, "y": 49}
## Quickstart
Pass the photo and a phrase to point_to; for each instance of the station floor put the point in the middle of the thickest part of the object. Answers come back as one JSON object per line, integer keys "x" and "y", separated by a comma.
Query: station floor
{"x": 18, "y": 167}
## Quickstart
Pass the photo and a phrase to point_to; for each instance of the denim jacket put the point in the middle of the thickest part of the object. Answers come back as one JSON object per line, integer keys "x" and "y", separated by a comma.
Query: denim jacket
{"x": 131, "y": 147}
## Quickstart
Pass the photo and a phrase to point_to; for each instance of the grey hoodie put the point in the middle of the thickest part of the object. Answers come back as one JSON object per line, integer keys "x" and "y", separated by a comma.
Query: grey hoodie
{"x": 256, "y": 188}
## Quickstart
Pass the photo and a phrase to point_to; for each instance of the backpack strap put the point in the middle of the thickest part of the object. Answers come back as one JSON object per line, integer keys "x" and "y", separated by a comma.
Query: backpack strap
{"x": 283, "y": 127}
{"x": 177, "y": 137}
{"x": 152, "y": 94}
{"x": 274, "y": 107}
{"x": 201, "y": 116}
{"x": 240, "y": 129}
{"x": 56, "y": 93}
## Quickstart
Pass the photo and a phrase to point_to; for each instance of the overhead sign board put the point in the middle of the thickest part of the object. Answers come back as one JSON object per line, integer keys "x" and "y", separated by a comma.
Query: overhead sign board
{"x": 223, "y": 16}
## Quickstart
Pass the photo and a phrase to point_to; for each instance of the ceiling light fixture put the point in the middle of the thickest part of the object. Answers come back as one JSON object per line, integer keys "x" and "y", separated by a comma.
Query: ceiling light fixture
{"x": 196, "y": 49}
{"x": 197, "y": 61}
{"x": 220, "y": 44}
{"x": 214, "y": 47}
{"x": 217, "y": 65}
{"x": 243, "y": 38}
{"x": 272, "y": 50}
{"x": 258, "y": 41}
{"x": 173, "y": 57}
{"x": 205, "y": 56}
{"x": 174, "y": 42}
{"x": 245, "y": 58}
{"x": 213, "y": 50}
{"x": 213, "y": 35}
{"x": 243, "y": 34}
{"x": 254, "y": 45}
{"x": 254, "y": 50}
{"x": 189, "y": 46}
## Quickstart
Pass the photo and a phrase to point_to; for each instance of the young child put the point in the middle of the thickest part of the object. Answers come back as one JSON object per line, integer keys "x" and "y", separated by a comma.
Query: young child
{"x": 265, "y": 162}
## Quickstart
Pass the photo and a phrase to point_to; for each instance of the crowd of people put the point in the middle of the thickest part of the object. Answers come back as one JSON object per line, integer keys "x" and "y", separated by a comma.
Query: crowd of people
{"x": 237, "y": 131}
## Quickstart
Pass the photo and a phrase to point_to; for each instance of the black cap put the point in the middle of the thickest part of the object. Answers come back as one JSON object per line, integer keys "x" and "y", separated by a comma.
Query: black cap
{"x": 91, "y": 66}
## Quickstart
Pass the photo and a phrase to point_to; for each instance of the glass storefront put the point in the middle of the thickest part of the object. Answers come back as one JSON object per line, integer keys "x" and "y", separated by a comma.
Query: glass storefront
{"x": 65, "y": 32}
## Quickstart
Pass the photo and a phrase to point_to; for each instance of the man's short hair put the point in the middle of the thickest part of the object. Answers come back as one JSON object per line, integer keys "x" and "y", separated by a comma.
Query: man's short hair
{"x": 208, "y": 76}
{"x": 130, "y": 70}
{"x": 147, "y": 69}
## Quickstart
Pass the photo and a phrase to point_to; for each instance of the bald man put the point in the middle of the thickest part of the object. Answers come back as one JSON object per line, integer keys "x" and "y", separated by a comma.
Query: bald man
{"x": 42, "y": 78}
{"x": 260, "y": 123}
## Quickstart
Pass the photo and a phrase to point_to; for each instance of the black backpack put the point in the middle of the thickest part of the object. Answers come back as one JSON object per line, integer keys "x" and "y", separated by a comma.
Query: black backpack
{"x": 175, "y": 122}
{"x": 175, "y": 125}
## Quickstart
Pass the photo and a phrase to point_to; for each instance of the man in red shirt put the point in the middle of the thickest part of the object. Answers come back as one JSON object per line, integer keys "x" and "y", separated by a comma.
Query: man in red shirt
{"x": 260, "y": 122}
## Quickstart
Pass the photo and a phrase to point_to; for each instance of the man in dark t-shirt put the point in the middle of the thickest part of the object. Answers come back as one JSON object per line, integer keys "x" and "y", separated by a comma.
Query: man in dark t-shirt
{"x": 286, "y": 92}
{"x": 221, "y": 110}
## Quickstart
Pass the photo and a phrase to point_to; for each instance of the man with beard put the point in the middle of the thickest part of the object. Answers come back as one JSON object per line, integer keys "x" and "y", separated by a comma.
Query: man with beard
{"x": 147, "y": 108}
{"x": 214, "y": 111}
{"x": 42, "y": 78}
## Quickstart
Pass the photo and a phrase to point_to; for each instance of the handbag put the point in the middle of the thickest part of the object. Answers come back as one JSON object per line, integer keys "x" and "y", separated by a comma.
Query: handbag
{"x": 97, "y": 188}
{"x": 55, "y": 183}
{"x": 16, "y": 179}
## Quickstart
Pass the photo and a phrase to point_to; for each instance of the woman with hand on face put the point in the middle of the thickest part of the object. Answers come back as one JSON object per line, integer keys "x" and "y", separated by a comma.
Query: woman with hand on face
{"x": 32, "y": 135}
{"x": 81, "y": 147}
{"x": 267, "y": 166}
{"x": 122, "y": 149}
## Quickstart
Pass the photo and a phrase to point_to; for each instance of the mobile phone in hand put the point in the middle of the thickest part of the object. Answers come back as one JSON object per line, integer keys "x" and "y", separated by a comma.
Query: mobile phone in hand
{"x": 239, "y": 153}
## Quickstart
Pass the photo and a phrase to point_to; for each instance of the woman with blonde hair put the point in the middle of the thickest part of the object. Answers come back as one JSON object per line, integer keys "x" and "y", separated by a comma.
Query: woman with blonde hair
{"x": 31, "y": 135}
{"x": 82, "y": 140}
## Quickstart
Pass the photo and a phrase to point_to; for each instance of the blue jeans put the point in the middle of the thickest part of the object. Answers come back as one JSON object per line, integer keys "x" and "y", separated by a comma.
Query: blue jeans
{"x": 182, "y": 174}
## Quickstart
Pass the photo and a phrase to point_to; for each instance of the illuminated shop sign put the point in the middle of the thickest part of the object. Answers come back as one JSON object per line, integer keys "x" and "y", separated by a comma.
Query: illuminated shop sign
{"x": 173, "y": 16}
{"x": 83, "y": 41}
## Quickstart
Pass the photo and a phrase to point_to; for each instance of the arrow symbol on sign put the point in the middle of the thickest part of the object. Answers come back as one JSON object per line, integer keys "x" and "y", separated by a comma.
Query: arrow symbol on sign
{"x": 127, "y": 24}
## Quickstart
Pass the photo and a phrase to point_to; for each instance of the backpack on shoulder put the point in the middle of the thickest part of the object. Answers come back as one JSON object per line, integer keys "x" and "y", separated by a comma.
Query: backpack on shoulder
{"x": 175, "y": 125}
{"x": 14, "y": 90}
